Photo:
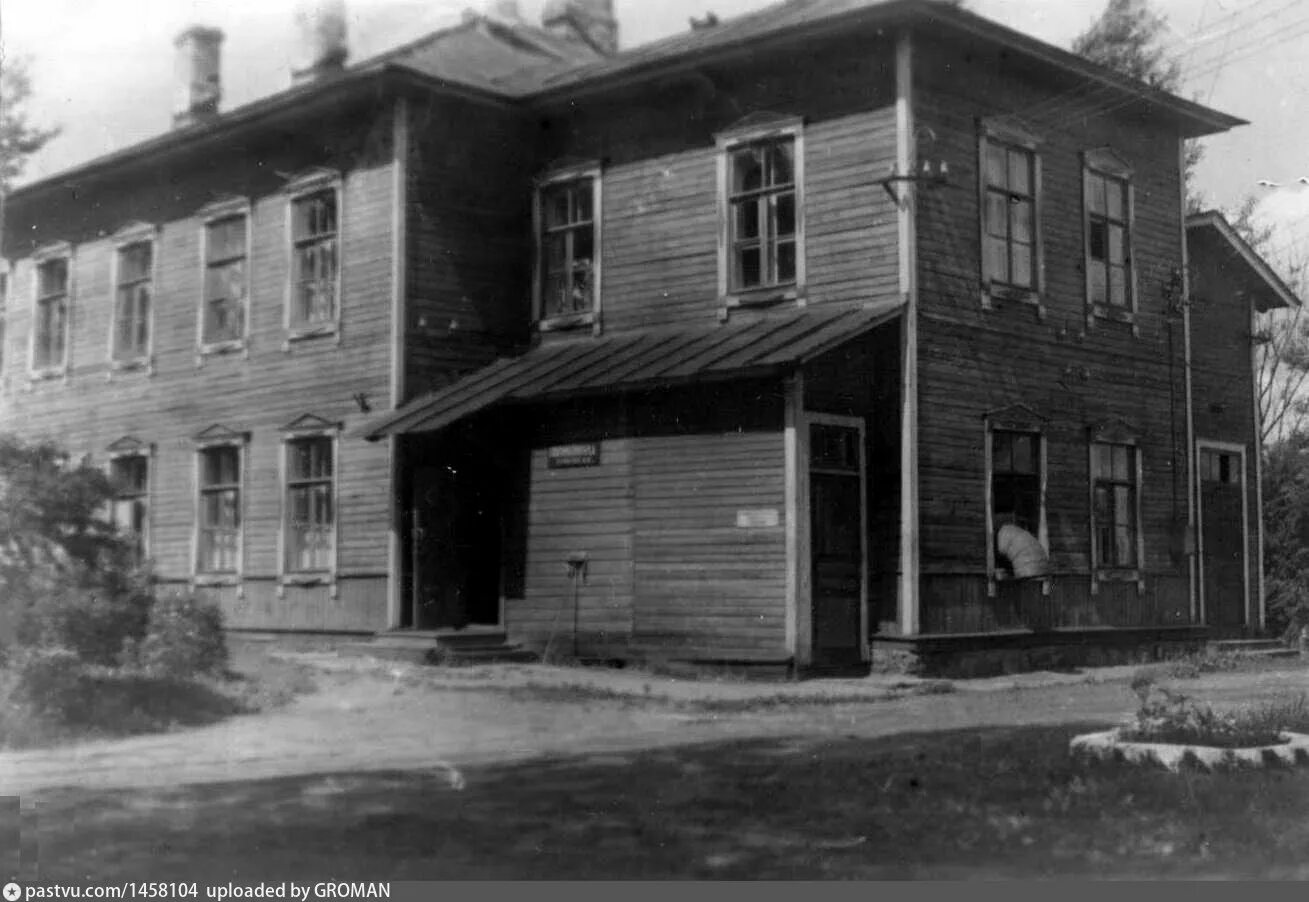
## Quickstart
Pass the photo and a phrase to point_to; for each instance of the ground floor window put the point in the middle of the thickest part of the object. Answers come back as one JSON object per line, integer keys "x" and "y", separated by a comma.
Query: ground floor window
{"x": 130, "y": 475}
{"x": 219, "y": 536}
{"x": 1114, "y": 505}
{"x": 310, "y": 509}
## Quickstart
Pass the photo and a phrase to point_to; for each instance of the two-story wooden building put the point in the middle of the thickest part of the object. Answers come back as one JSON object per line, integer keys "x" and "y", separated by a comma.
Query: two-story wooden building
{"x": 839, "y": 325}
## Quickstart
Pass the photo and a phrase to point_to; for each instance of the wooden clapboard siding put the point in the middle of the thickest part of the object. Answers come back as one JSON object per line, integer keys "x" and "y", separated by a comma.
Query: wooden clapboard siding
{"x": 705, "y": 587}
{"x": 468, "y": 216}
{"x": 660, "y": 186}
{"x": 256, "y": 393}
{"x": 1222, "y": 349}
{"x": 974, "y": 360}
{"x": 570, "y": 510}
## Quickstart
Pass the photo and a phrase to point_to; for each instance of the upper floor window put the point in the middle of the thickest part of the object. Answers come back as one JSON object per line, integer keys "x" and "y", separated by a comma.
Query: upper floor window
{"x": 1009, "y": 254}
{"x": 50, "y": 329}
{"x": 130, "y": 476}
{"x": 132, "y": 302}
{"x": 1107, "y": 206}
{"x": 226, "y": 288}
{"x": 763, "y": 203}
{"x": 568, "y": 242}
{"x": 1009, "y": 195}
{"x": 315, "y": 266}
{"x": 1115, "y": 486}
{"x": 310, "y": 514}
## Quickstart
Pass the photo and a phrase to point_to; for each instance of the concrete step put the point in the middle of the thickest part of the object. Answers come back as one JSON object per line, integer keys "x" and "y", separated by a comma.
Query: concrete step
{"x": 1246, "y": 646}
{"x": 423, "y": 647}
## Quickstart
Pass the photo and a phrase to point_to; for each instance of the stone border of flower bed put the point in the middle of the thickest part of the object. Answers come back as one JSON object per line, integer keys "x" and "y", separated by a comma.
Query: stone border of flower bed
{"x": 1108, "y": 746}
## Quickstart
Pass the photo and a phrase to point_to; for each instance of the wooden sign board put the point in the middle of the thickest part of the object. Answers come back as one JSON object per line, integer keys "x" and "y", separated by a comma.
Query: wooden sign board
{"x": 581, "y": 455}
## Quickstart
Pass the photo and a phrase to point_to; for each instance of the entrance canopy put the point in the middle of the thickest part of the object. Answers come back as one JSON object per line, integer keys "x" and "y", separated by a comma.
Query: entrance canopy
{"x": 589, "y": 366}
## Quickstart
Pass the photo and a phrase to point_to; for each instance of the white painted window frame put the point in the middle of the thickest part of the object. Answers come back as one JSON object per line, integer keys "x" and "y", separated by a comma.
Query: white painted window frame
{"x": 587, "y": 169}
{"x": 220, "y": 438}
{"x": 756, "y": 130}
{"x": 219, "y": 210}
{"x": 1116, "y": 434}
{"x": 301, "y": 186}
{"x": 1026, "y": 422}
{"x": 1016, "y": 135}
{"x": 1205, "y": 444}
{"x": 129, "y": 235}
{"x": 61, "y": 250}
{"x": 308, "y": 427}
{"x": 1107, "y": 163}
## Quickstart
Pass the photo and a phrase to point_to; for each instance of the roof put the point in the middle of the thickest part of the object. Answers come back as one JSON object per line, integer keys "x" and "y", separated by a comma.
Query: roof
{"x": 655, "y": 359}
{"x": 1253, "y": 273}
{"x": 801, "y": 20}
{"x": 514, "y": 62}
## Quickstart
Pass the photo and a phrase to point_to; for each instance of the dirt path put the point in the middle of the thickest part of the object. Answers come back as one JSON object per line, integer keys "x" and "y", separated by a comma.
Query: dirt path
{"x": 373, "y": 721}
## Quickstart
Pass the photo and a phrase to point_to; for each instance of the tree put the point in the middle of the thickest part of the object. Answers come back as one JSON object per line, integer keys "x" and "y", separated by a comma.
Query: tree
{"x": 19, "y": 138}
{"x": 1128, "y": 38}
{"x": 1286, "y": 533}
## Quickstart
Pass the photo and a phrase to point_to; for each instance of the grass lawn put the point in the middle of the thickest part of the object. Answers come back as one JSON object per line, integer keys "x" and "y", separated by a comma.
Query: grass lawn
{"x": 991, "y": 802}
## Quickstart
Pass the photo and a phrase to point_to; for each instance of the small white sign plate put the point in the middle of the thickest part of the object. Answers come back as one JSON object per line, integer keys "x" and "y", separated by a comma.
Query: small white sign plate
{"x": 759, "y": 518}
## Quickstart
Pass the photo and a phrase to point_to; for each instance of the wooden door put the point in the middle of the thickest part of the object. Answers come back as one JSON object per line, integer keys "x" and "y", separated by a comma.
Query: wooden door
{"x": 836, "y": 543}
{"x": 1223, "y": 538}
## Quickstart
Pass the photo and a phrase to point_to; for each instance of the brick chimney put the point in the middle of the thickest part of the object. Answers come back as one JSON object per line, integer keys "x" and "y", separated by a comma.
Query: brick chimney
{"x": 321, "y": 48}
{"x": 197, "y": 75}
{"x": 588, "y": 22}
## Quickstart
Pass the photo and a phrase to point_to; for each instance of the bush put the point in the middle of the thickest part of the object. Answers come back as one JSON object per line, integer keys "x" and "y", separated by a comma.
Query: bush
{"x": 91, "y": 618}
{"x": 48, "y": 681}
{"x": 184, "y": 638}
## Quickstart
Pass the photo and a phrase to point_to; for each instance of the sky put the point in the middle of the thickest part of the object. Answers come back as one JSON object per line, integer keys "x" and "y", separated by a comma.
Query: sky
{"x": 102, "y": 70}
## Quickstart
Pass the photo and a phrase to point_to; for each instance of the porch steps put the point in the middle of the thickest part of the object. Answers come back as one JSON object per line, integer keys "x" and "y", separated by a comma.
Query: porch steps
{"x": 1259, "y": 648}
{"x": 432, "y": 647}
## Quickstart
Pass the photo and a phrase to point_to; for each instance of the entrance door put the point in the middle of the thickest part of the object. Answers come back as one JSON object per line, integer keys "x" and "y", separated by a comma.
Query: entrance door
{"x": 1223, "y": 536}
{"x": 836, "y": 540}
{"x": 456, "y": 544}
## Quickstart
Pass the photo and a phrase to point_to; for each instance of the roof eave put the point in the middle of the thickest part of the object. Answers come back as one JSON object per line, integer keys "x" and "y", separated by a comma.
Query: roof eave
{"x": 1218, "y": 222}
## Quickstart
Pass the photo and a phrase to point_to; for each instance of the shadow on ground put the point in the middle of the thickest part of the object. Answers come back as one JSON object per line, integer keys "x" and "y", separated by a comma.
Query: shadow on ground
{"x": 992, "y": 802}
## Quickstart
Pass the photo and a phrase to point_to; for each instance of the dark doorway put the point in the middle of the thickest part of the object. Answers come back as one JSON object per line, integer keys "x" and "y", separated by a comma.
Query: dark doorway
{"x": 456, "y": 537}
{"x": 1222, "y": 538}
{"x": 836, "y": 543}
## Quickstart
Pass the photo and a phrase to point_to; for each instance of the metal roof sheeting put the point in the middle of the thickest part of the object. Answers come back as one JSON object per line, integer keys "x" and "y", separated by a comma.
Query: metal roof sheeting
{"x": 631, "y": 361}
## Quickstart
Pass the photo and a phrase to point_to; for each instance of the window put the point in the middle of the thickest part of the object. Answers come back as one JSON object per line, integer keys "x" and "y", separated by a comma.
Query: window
{"x": 761, "y": 202}
{"x": 315, "y": 266}
{"x": 568, "y": 246}
{"x": 135, "y": 278}
{"x": 130, "y": 477}
{"x": 1107, "y": 209}
{"x": 225, "y": 290}
{"x": 1114, "y": 511}
{"x": 219, "y": 545}
{"x": 1016, "y": 480}
{"x": 1107, "y": 259}
{"x": 310, "y": 508}
{"x": 1010, "y": 258}
{"x": 50, "y": 332}
{"x": 1219, "y": 466}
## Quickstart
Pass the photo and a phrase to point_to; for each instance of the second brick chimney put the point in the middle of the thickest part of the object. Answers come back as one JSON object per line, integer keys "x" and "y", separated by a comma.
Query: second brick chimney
{"x": 321, "y": 47}
{"x": 589, "y": 22}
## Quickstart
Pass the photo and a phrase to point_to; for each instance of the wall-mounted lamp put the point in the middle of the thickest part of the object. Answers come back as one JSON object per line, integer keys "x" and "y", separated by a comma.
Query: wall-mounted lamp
{"x": 931, "y": 172}
{"x": 361, "y": 398}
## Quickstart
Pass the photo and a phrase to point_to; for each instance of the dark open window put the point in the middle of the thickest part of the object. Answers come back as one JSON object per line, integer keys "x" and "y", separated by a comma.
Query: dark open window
{"x": 1016, "y": 479}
